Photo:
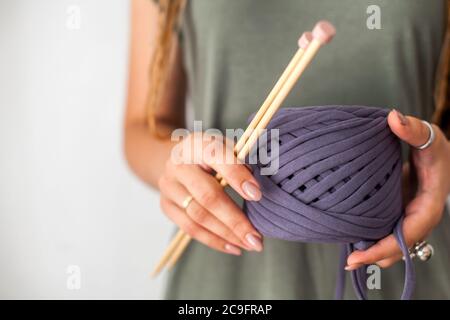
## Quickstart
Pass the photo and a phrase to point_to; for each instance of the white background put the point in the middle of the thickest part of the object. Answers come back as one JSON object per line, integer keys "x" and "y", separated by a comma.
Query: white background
{"x": 67, "y": 196}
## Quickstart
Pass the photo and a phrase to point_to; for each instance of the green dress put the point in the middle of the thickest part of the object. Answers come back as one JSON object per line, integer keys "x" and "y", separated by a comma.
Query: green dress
{"x": 235, "y": 50}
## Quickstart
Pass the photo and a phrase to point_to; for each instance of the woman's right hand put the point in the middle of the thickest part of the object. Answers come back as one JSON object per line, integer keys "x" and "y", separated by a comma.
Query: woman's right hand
{"x": 212, "y": 217}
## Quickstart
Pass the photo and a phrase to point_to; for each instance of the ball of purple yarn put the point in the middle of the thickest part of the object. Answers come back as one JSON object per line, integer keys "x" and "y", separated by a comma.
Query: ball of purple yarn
{"x": 339, "y": 178}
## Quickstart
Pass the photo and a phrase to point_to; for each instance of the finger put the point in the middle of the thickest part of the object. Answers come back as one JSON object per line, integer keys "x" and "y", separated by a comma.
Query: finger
{"x": 221, "y": 157}
{"x": 422, "y": 214}
{"x": 204, "y": 218}
{"x": 177, "y": 193}
{"x": 388, "y": 262}
{"x": 195, "y": 230}
{"x": 379, "y": 251}
{"x": 213, "y": 151}
{"x": 353, "y": 266}
{"x": 409, "y": 129}
{"x": 430, "y": 162}
{"x": 211, "y": 196}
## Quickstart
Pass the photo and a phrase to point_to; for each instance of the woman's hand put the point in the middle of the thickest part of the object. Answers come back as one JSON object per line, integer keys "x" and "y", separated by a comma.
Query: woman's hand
{"x": 431, "y": 168}
{"x": 211, "y": 217}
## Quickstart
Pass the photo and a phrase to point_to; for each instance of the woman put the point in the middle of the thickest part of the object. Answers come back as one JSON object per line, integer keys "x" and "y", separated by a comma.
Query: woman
{"x": 225, "y": 58}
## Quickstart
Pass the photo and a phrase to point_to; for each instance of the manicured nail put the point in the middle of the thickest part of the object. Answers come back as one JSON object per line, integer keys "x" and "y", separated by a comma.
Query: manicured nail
{"x": 251, "y": 190}
{"x": 353, "y": 266}
{"x": 254, "y": 241}
{"x": 403, "y": 120}
{"x": 232, "y": 249}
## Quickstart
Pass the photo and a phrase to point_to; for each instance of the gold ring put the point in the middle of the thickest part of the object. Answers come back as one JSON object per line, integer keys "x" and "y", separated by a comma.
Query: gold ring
{"x": 187, "y": 201}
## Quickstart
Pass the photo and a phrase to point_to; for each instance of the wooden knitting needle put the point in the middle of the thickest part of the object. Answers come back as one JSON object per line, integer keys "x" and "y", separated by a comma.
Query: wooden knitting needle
{"x": 179, "y": 250}
{"x": 168, "y": 252}
{"x": 181, "y": 240}
{"x": 323, "y": 32}
{"x": 303, "y": 43}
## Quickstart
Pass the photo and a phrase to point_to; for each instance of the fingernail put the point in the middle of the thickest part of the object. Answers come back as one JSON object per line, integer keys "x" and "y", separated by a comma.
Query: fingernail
{"x": 403, "y": 120}
{"x": 251, "y": 190}
{"x": 353, "y": 266}
{"x": 232, "y": 249}
{"x": 254, "y": 241}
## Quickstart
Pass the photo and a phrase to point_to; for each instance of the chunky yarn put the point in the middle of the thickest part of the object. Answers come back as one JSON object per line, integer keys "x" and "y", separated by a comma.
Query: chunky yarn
{"x": 339, "y": 180}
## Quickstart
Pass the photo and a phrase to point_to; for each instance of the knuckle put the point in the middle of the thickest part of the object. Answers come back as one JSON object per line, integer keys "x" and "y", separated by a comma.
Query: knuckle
{"x": 200, "y": 183}
{"x": 191, "y": 229}
{"x": 372, "y": 259}
{"x": 210, "y": 197}
{"x": 240, "y": 226}
{"x": 228, "y": 234}
{"x": 213, "y": 242}
{"x": 237, "y": 173}
{"x": 210, "y": 242}
{"x": 197, "y": 213}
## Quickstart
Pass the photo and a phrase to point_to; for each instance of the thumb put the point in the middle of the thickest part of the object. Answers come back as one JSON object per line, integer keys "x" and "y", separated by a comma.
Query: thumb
{"x": 409, "y": 129}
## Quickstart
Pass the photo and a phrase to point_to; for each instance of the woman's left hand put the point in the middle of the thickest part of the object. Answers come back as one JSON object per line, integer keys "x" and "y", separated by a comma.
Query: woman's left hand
{"x": 424, "y": 211}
